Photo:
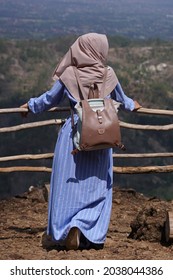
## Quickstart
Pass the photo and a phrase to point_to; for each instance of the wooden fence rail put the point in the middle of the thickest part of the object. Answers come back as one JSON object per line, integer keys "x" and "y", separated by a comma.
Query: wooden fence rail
{"x": 143, "y": 169}
{"x": 120, "y": 170}
{"x": 61, "y": 121}
{"x": 24, "y": 110}
{"x": 58, "y": 109}
{"x": 50, "y": 156}
{"x": 31, "y": 125}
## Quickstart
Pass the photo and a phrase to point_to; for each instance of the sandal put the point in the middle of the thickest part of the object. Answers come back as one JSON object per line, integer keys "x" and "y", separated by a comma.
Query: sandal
{"x": 73, "y": 239}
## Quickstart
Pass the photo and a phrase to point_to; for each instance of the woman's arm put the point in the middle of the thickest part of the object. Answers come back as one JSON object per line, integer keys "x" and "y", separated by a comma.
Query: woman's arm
{"x": 127, "y": 103}
{"x": 47, "y": 100}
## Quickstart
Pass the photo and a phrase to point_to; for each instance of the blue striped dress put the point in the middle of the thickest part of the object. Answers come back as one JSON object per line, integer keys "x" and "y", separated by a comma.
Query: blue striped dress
{"x": 81, "y": 184}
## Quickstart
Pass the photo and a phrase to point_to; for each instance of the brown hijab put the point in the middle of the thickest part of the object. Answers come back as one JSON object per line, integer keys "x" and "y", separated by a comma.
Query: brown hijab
{"x": 88, "y": 53}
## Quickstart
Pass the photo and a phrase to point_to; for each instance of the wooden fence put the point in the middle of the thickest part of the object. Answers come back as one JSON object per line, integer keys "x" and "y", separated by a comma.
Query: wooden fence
{"x": 122, "y": 170}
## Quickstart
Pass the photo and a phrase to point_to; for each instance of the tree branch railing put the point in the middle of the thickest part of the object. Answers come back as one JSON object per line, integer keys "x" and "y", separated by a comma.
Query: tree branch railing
{"x": 50, "y": 156}
{"x": 61, "y": 121}
{"x": 32, "y": 125}
{"x": 59, "y": 109}
{"x": 25, "y": 110}
{"x": 120, "y": 170}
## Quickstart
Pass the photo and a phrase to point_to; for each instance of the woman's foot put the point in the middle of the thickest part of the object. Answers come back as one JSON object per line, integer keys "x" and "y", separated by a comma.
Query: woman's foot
{"x": 46, "y": 241}
{"x": 72, "y": 241}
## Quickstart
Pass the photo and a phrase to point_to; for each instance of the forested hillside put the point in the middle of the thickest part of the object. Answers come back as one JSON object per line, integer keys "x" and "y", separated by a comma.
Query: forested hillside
{"x": 145, "y": 70}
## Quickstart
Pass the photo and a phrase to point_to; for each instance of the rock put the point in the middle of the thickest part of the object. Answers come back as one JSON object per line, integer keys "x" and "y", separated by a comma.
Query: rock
{"x": 160, "y": 67}
{"x": 38, "y": 194}
{"x": 151, "y": 68}
{"x": 149, "y": 224}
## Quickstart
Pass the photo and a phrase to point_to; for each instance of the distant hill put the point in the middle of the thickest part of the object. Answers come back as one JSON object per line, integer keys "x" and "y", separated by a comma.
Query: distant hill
{"x": 145, "y": 70}
{"x": 50, "y": 18}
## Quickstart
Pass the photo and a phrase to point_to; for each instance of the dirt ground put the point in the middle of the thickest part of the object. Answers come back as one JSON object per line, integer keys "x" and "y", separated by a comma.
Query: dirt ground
{"x": 136, "y": 230}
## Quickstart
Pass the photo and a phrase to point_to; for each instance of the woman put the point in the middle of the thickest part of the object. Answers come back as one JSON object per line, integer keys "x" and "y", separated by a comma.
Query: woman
{"x": 81, "y": 185}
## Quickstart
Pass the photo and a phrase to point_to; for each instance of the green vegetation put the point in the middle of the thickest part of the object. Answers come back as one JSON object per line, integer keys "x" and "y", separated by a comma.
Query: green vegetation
{"x": 145, "y": 70}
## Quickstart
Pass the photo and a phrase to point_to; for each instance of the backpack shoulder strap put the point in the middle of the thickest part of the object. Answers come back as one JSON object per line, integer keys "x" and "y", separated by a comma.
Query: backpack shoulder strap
{"x": 104, "y": 83}
{"x": 80, "y": 86}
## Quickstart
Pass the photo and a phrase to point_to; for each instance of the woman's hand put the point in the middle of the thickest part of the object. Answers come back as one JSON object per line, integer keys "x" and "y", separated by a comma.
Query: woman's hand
{"x": 137, "y": 105}
{"x": 24, "y": 106}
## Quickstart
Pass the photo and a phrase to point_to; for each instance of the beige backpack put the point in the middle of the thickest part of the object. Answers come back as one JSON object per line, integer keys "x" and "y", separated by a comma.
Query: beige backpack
{"x": 98, "y": 125}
